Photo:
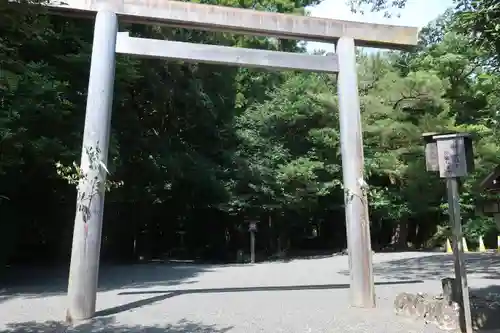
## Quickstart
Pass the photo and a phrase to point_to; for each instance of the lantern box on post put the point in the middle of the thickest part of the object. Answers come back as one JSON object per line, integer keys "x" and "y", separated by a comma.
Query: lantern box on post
{"x": 450, "y": 154}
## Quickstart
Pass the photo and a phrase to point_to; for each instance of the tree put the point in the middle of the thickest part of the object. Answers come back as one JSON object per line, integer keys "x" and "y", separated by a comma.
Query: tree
{"x": 377, "y": 5}
{"x": 480, "y": 20}
{"x": 200, "y": 149}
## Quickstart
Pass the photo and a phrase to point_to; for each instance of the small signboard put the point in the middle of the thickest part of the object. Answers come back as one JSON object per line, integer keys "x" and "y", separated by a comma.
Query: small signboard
{"x": 453, "y": 158}
{"x": 252, "y": 226}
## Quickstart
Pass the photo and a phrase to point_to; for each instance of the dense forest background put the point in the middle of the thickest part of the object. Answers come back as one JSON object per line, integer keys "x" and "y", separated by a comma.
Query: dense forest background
{"x": 197, "y": 151}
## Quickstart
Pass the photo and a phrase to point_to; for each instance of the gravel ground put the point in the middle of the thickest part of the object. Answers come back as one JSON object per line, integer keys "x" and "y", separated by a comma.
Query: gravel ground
{"x": 300, "y": 296}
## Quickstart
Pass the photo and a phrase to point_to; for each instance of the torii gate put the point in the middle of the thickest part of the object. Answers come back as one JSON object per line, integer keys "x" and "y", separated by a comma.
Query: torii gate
{"x": 84, "y": 265}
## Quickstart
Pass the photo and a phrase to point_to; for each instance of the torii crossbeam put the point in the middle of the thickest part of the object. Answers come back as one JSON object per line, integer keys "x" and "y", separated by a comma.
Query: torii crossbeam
{"x": 82, "y": 285}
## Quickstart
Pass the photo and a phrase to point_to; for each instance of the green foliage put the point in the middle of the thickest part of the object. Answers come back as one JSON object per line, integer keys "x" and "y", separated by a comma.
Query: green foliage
{"x": 204, "y": 148}
{"x": 480, "y": 21}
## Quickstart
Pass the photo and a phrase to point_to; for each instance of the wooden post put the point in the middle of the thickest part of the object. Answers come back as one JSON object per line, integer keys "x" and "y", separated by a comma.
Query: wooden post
{"x": 362, "y": 291}
{"x": 252, "y": 247}
{"x": 85, "y": 252}
{"x": 252, "y": 228}
{"x": 460, "y": 273}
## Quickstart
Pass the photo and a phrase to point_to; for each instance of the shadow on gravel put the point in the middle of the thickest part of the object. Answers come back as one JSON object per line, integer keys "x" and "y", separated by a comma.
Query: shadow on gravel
{"x": 303, "y": 255}
{"x": 435, "y": 266}
{"x": 165, "y": 294}
{"x": 485, "y": 306}
{"x": 42, "y": 282}
{"x": 108, "y": 325}
{"x": 322, "y": 254}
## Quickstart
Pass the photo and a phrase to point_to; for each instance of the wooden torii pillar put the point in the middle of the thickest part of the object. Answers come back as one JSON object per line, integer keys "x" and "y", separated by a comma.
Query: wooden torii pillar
{"x": 82, "y": 285}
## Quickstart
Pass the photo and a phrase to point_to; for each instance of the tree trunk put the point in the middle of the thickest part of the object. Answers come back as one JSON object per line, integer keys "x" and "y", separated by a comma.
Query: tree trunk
{"x": 270, "y": 237}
